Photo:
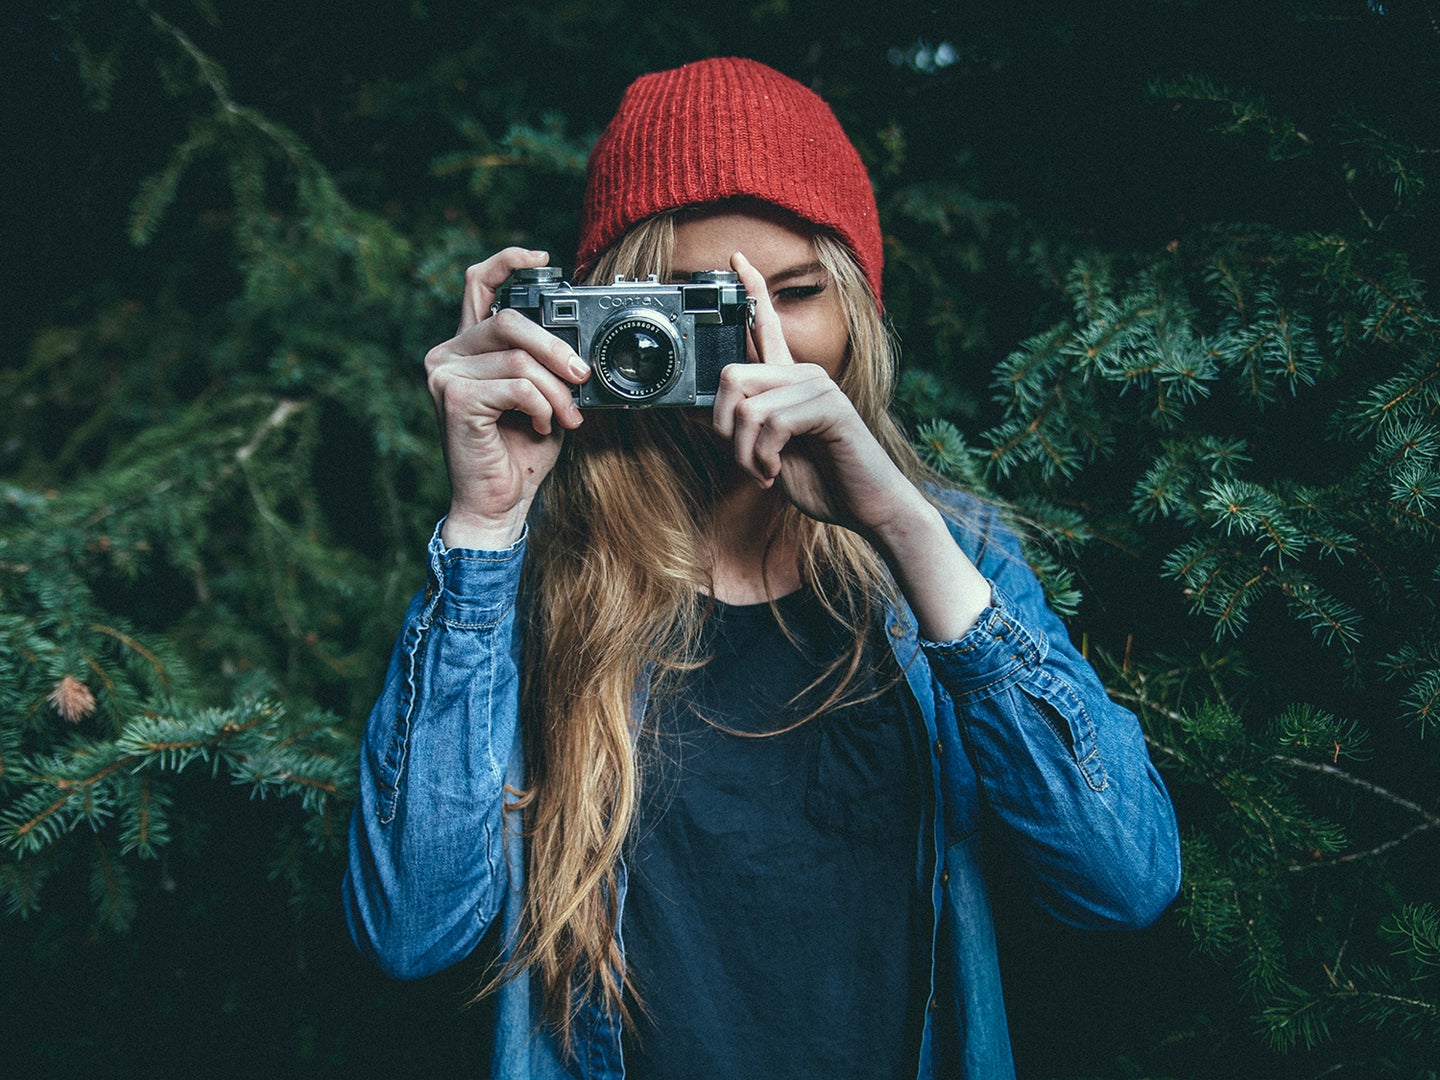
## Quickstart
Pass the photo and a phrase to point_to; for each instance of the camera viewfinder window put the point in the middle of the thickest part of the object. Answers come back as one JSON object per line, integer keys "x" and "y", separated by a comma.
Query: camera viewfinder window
{"x": 702, "y": 298}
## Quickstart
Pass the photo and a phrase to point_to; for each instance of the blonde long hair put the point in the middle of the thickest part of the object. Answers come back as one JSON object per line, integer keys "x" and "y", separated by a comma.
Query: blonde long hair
{"x": 619, "y": 555}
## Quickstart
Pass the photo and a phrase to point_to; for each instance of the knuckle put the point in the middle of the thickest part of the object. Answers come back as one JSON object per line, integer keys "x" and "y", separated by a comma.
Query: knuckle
{"x": 437, "y": 363}
{"x": 773, "y": 431}
{"x": 452, "y": 395}
{"x": 527, "y": 396}
{"x": 514, "y": 361}
{"x": 731, "y": 376}
{"x": 747, "y": 412}
{"x": 509, "y": 320}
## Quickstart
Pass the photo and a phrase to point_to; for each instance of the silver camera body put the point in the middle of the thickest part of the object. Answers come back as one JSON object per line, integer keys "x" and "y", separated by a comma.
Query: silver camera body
{"x": 647, "y": 344}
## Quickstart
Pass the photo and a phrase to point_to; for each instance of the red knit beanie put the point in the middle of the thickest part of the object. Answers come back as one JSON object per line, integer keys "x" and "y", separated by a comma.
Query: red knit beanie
{"x": 721, "y": 129}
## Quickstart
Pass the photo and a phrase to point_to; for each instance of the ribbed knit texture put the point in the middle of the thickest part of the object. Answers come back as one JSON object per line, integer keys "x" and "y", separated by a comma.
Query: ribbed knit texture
{"x": 722, "y": 129}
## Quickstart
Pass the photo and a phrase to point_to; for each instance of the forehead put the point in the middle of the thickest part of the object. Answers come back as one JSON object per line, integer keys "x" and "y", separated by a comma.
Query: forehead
{"x": 705, "y": 241}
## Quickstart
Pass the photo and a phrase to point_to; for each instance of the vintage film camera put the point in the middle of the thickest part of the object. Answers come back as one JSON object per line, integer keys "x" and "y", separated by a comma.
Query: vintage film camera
{"x": 646, "y": 343}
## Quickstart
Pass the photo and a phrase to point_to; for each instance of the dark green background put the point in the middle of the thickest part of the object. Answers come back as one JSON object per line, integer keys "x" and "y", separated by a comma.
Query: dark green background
{"x": 1043, "y": 112}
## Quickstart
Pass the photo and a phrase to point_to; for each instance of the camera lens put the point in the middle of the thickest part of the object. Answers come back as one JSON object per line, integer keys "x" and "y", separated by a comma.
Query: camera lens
{"x": 636, "y": 358}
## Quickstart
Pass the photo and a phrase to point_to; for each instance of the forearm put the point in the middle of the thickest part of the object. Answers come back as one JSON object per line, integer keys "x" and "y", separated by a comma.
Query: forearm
{"x": 943, "y": 588}
{"x": 426, "y": 872}
{"x": 1063, "y": 769}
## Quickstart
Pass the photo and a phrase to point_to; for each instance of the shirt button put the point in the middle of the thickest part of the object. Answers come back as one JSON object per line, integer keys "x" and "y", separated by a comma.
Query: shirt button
{"x": 944, "y": 877}
{"x": 939, "y": 747}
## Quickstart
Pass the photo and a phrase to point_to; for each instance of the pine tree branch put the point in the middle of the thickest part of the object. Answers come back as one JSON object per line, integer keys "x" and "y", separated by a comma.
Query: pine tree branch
{"x": 72, "y": 787}
{"x": 1415, "y": 515}
{"x": 1418, "y": 1004}
{"x": 284, "y": 409}
{"x": 209, "y": 71}
{"x": 143, "y": 832}
{"x": 1375, "y": 789}
{"x": 314, "y": 783}
{"x": 1132, "y": 698}
{"x": 227, "y": 731}
{"x": 1401, "y": 304}
{"x": 1429, "y": 820}
{"x": 1357, "y": 856}
{"x": 134, "y": 646}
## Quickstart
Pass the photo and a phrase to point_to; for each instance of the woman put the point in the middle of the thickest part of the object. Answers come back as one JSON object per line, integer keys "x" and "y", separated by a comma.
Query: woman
{"x": 719, "y": 735}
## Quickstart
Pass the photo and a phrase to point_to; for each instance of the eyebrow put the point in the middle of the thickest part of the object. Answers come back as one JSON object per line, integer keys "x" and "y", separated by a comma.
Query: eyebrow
{"x": 793, "y": 272}
{"x": 788, "y": 274}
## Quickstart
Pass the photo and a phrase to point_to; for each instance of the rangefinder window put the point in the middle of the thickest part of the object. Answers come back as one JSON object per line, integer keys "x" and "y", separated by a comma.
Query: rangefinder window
{"x": 701, "y": 298}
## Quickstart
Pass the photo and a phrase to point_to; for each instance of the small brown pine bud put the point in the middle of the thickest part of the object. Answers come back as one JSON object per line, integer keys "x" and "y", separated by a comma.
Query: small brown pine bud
{"x": 72, "y": 699}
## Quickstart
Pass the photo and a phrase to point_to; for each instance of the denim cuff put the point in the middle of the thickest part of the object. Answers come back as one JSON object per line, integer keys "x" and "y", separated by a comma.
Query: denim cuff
{"x": 993, "y": 651}
{"x": 472, "y": 588}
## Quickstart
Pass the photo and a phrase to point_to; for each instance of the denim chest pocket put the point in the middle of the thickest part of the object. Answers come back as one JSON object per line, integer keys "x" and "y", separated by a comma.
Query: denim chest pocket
{"x": 863, "y": 780}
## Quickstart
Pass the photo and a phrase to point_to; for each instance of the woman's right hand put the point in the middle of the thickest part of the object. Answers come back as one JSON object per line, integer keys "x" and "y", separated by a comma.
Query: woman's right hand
{"x": 501, "y": 387}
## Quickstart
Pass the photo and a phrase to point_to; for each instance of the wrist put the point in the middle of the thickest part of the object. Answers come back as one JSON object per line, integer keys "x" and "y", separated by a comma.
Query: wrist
{"x": 464, "y": 529}
{"x": 910, "y": 532}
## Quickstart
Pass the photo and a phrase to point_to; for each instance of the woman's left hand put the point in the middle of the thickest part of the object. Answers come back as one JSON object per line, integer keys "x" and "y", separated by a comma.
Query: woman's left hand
{"x": 791, "y": 425}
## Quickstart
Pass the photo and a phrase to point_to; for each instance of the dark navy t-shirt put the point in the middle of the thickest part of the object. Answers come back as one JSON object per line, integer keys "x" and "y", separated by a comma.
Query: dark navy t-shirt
{"x": 773, "y": 923}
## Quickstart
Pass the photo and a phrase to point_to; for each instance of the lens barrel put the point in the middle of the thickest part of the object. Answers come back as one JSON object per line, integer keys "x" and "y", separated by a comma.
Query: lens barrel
{"x": 636, "y": 357}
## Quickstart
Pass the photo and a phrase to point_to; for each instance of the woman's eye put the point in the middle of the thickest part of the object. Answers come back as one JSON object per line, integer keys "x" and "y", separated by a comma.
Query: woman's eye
{"x": 800, "y": 292}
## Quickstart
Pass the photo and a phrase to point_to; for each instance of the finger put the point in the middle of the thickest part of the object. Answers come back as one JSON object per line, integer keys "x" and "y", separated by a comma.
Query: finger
{"x": 479, "y": 403}
{"x": 739, "y": 382}
{"x": 482, "y": 279}
{"x": 765, "y": 425}
{"x": 766, "y": 333}
{"x": 519, "y": 364}
{"x": 509, "y": 329}
{"x": 523, "y": 396}
{"x": 502, "y": 369}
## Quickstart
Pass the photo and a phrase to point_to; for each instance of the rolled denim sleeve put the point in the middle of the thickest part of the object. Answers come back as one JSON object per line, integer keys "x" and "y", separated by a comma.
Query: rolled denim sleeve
{"x": 426, "y": 873}
{"x": 1061, "y": 766}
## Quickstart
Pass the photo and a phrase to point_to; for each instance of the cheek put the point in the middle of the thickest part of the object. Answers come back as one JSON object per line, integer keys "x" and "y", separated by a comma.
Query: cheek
{"x": 819, "y": 340}
{"x": 827, "y": 346}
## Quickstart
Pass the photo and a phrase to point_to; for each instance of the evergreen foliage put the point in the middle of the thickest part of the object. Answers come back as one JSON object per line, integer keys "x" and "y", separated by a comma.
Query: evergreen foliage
{"x": 219, "y": 468}
{"x": 1179, "y": 371}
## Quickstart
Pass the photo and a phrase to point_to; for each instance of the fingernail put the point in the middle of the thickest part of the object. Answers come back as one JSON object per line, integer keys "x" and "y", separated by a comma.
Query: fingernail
{"x": 578, "y": 368}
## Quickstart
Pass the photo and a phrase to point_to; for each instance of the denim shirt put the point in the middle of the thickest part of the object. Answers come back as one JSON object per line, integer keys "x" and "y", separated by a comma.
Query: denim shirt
{"x": 1024, "y": 745}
